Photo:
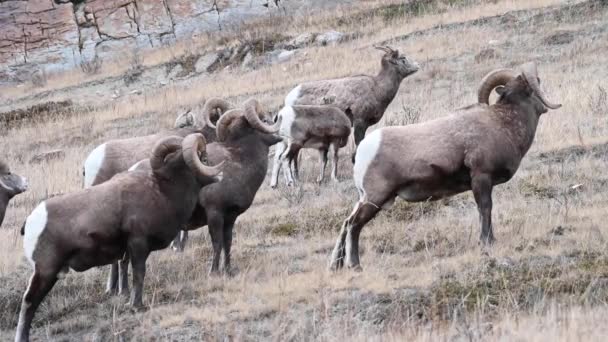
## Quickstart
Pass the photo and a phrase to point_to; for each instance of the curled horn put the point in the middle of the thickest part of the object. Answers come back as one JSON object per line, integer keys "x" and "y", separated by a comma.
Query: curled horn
{"x": 252, "y": 111}
{"x": 492, "y": 80}
{"x": 224, "y": 122}
{"x": 211, "y": 105}
{"x": 162, "y": 148}
{"x": 531, "y": 75}
{"x": 191, "y": 146}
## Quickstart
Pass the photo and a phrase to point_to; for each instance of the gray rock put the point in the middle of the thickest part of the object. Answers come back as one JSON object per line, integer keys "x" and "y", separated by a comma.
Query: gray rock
{"x": 248, "y": 61}
{"x": 285, "y": 55}
{"x": 175, "y": 72}
{"x": 329, "y": 38}
{"x": 206, "y": 61}
{"x": 302, "y": 40}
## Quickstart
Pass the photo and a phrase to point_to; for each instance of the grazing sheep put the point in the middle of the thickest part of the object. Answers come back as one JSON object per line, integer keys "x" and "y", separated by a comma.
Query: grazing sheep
{"x": 366, "y": 96}
{"x": 119, "y": 155}
{"x": 475, "y": 148}
{"x": 134, "y": 212}
{"x": 244, "y": 139}
{"x": 11, "y": 185}
{"x": 319, "y": 127}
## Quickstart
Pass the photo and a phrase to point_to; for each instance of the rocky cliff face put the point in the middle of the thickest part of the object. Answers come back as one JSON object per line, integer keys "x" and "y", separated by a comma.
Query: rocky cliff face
{"x": 60, "y": 34}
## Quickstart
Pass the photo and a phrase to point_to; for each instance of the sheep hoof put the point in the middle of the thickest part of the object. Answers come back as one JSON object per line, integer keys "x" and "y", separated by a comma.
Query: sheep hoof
{"x": 356, "y": 268}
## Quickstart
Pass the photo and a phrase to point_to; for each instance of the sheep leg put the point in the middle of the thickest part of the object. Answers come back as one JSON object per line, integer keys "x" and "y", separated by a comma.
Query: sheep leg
{"x": 183, "y": 239}
{"x": 112, "y": 284}
{"x": 292, "y": 153}
{"x": 228, "y": 228}
{"x": 276, "y": 167}
{"x": 179, "y": 242}
{"x": 337, "y": 256}
{"x": 334, "y": 165}
{"x": 360, "y": 129}
{"x": 138, "y": 252}
{"x": 296, "y": 167}
{"x": 481, "y": 184}
{"x": 366, "y": 212}
{"x": 39, "y": 286}
{"x": 123, "y": 275}
{"x": 215, "y": 222}
{"x": 286, "y": 166}
{"x": 323, "y": 159}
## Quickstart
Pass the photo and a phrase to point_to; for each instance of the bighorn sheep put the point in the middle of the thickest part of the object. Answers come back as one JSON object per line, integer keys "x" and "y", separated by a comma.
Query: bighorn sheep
{"x": 11, "y": 185}
{"x": 134, "y": 212}
{"x": 118, "y": 155}
{"x": 319, "y": 127}
{"x": 475, "y": 148}
{"x": 244, "y": 138}
{"x": 366, "y": 96}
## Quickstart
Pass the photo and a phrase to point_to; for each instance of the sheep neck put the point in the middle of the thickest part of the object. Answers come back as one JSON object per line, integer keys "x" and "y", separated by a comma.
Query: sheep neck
{"x": 520, "y": 123}
{"x": 387, "y": 81}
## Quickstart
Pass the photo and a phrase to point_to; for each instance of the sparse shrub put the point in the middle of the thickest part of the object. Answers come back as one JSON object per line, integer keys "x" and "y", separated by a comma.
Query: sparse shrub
{"x": 284, "y": 229}
{"x": 293, "y": 194}
{"x": 39, "y": 79}
{"x": 135, "y": 70}
{"x": 598, "y": 102}
{"x": 91, "y": 67}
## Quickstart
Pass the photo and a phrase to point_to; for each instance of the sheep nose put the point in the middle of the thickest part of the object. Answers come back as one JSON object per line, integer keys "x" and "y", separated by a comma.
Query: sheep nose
{"x": 24, "y": 184}
{"x": 219, "y": 176}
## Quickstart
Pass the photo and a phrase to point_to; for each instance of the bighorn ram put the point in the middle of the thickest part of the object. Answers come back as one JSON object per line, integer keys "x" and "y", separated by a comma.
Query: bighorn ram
{"x": 11, "y": 185}
{"x": 475, "y": 148}
{"x": 366, "y": 96}
{"x": 118, "y": 155}
{"x": 319, "y": 127}
{"x": 244, "y": 138}
{"x": 134, "y": 212}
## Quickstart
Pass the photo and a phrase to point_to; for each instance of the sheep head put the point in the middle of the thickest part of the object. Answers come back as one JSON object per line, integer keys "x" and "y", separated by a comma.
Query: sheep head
{"x": 518, "y": 87}
{"x": 251, "y": 116}
{"x": 391, "y": 59}
{"x": 212, "y": 110}
{"x": 185, "y": 119}
{"x": 192, "y": 147}
{"x": 10, "y": 183}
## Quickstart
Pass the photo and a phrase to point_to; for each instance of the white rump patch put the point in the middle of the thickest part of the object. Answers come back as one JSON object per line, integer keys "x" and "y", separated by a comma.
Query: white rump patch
{"x": 34, "y": 226}
{"x": 93, "y": 164}
{"x": 287, "y": 115}
{"x": 136, "y": 165}
{"x": 293, "y": 95}
{"x": 366, "y": 152}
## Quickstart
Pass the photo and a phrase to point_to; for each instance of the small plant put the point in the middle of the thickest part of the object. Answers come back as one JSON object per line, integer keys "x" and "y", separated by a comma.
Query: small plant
{"x": 39, "y": 79}
{"x": 407, "y": 116}
{"x": 598, "y": 102}
{"x": 135, "y": 70}
{"x": 293, "y": 194}
{"x": 91, "y": 67}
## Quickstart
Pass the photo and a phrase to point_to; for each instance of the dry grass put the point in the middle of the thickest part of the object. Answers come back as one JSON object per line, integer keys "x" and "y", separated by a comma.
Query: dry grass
{"x": 425, "y": 277}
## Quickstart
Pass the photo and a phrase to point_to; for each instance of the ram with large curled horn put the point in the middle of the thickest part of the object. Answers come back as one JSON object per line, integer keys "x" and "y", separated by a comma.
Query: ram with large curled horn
{"x": 244, "y": 139}
{"x": 132, "y": 214}
{"x": 475, "y": 148}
